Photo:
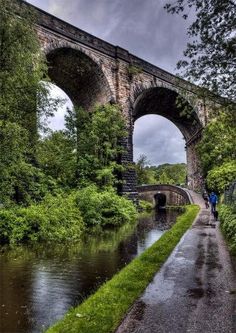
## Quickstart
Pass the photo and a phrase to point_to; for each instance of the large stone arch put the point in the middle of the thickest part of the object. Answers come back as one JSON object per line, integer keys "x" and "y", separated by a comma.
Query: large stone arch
{"x": 162, "y": 100}
{"x": 79, "y": 74}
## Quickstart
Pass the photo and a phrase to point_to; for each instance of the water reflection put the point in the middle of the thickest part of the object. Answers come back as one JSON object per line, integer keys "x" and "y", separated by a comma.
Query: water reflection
{"x": 39, "y": 284}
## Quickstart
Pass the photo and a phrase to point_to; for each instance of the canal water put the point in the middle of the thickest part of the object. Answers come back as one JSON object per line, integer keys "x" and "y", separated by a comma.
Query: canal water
{"x": 39, "y": 284}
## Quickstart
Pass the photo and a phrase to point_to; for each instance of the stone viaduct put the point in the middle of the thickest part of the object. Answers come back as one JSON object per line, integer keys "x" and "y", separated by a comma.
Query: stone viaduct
{"x": 92, "y": 71}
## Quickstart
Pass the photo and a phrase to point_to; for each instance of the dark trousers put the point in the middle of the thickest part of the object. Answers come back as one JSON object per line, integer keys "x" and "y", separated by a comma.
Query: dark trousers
{"x": 213, "y": 207}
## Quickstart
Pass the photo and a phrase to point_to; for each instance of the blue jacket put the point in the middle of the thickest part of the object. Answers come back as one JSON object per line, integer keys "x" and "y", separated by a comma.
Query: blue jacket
{"x": 213, "y": 198}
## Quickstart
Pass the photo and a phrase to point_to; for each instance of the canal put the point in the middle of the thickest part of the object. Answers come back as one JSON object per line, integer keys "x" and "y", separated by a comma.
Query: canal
{"x": 39, "y": 284}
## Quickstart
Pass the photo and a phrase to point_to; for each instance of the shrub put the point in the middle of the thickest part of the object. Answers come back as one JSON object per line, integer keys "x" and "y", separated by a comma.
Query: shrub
{"x": 104, "y": 208}
{"x": 227, "y": 216}
{"x": 64, "y": 217}
{"x": 221, "y": 176}
{"x": 145, "y": 205}
{"x": 56, "y": 218}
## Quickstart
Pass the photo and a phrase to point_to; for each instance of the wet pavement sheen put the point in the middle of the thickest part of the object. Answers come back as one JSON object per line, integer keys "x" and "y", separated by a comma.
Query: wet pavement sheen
{"x": 195, "y": 291}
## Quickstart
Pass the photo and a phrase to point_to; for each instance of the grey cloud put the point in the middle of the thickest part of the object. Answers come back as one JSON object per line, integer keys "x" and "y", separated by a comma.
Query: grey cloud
{"x": 159, "y": 140}
{"x": 43, "y": 4}
{"x": 142, "y": 27}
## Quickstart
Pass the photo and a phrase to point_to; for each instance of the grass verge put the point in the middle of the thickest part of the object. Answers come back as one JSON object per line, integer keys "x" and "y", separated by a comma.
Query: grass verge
{"x": 103, "y": 311}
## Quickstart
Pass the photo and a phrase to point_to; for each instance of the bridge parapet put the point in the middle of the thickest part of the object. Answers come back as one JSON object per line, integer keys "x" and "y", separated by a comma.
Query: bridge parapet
{"x": 175, "y": 195}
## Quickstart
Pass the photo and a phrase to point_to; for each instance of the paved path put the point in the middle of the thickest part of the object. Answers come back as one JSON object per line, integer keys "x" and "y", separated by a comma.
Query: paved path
{"x": 195, "y": 291}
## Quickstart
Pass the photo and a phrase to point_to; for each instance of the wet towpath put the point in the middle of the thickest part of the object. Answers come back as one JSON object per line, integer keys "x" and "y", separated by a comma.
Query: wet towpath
{"x": 195, "y": 291}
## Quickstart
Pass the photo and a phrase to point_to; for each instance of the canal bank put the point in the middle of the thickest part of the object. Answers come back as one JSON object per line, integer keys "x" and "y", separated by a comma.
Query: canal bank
{"x": 103, "y": 311}
{"x": 195, "y": 289}
{"x": 39, "y": 283}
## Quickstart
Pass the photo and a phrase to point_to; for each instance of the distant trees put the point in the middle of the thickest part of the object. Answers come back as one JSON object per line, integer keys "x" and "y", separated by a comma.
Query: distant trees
{"x": 143, "y": 173}
{"x": 161, "y": 174}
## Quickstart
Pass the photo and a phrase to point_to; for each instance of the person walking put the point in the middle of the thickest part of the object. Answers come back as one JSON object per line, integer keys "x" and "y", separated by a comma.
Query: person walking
{"x": 206, "y": 199}
{"x": 213, "y": 201}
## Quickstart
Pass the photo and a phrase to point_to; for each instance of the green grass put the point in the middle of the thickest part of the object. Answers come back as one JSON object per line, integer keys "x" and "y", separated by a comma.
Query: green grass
{"x": 103, "y": 311}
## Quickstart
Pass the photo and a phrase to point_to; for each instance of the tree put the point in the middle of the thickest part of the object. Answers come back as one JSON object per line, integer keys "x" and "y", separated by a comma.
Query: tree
{"x": 25, "y": 96}
{"x": 56, "y": 156}
{"x": 220, "y": 177}
{"x": 211, "y": 52}
{"x": 218, "y": 142}
{"x": 21, "y": 65}
{"x": 164, "y": 179}
{"x": 96, "y": 137}
{"x": 161, "y": 174}
{"x": 20, "y": 181}
{"x": 23, "y": 99}
{"x": 13, "y": 146}
{"x": 174, "y": 173}
{"x": 217, "y": 150}
{"x": 210, "y": 60}
{"x": 145, "y": 174}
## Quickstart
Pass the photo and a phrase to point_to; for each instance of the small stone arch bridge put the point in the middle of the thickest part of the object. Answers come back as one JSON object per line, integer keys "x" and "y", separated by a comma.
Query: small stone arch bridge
{"x": 164, "y": 194}
{"x": 92, "y": 71}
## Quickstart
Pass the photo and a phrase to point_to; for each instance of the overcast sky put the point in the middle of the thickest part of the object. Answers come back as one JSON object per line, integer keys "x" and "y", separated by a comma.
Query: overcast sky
{"x": 146, "y": 30}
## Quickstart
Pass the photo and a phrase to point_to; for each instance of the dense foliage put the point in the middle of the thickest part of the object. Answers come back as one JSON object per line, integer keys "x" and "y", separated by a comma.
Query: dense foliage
{"x": 21, "y": 65}
{"x": 96, "y": 138}
{"x": 228, "y": 224}
{"x": 56, "y": 218}
{"x": 104, "y": 208}
{"x": 55, "y": 186}
{"x": 220, "y": 177}
{"x": 211, "y": 51}
{"x": 161, "y": 174}
{"x": 210, "y": 60}
{"x": 217, "y": 150}
{"x": 81, "y": 176}
{"x": 218, "y": 143}
{"x": 145, "y": 206}
{"x": 65, "y": 216}
{"x": 23, "y": 100}
{"x": 75, "y": 173}
{"x": 56, "y": 156}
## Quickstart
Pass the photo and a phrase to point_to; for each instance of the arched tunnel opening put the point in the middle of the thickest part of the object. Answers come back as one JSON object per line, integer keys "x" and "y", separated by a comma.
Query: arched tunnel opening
{"x": 160, "y": 200}
{"x": 169, "y": 104}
